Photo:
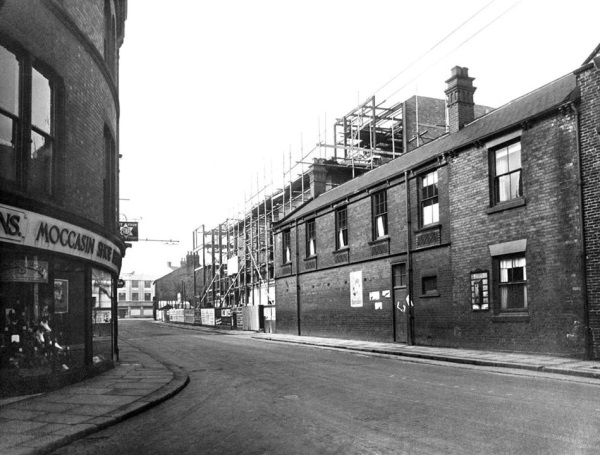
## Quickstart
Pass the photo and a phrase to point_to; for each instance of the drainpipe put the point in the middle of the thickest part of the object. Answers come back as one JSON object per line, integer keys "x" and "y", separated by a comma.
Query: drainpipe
{"x": 409, "y": 286}
{"x": 586, "y": 316}
{"x": 297, "y": 279}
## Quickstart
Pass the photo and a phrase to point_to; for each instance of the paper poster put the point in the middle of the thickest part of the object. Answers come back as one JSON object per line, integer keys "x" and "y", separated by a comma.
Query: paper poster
{"x": 378, "y": 305}
{"x": 374, "y": 295}
{"x": 356, "y": 289}
{"x": 61, "y": 296}
{"x": 385, "y": 294}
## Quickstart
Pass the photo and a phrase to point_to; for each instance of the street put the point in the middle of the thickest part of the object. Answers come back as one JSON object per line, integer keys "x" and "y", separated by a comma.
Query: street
{"x": 249, "y": 396}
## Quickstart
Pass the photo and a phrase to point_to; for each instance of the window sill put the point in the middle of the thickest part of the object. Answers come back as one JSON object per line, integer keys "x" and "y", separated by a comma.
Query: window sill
{"x": 428, "y": 227}
{"x": 341, "y": 250}
{"x": 511, "y": 317}
{"x": 310, "y": 258}
{"x": 430, "y": 295}
{"x": 519, "y": 202}
{"x": 385, "y": 238}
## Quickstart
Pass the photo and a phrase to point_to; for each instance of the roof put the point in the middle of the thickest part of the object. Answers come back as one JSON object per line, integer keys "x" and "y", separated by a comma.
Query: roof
{"x": 533, "y": 104}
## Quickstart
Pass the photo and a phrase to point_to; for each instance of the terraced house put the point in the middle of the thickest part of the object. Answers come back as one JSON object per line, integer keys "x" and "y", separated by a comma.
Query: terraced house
{"x": 483, "y": 238}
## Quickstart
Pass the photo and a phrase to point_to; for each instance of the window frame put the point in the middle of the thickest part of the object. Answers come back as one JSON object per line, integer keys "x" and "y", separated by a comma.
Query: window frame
{"x": 379, "y": 210}
{"x": 286, "y": 246}
{"x": 495, "y": 178}
{"x": 429, "y": 197}
{"x": 311, "y": 238}
{"x": 503, "y": 306}
{"x": 341, "y": 228}
{"x": 24, "y": 128}
{"x": 425, "y": 289}
{"x": 401, "y": 267}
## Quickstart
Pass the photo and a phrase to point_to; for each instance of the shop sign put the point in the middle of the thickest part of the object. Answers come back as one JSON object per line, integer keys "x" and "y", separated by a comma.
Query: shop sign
{"x": 129, "y": 230}
{"x": 26, "y": 270}
{"x": 39, "y": 231}
{"x": 13, "y": 224}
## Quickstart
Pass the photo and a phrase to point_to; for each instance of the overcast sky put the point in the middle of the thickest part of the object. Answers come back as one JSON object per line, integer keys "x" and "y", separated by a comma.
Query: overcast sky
{"x": 215, "y": 94}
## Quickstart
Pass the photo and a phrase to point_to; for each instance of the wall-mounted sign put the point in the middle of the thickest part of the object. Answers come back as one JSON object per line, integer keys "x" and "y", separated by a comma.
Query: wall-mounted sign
{"x": 129, "y": 230}
{"x": 356, "y": 289}
{"x": 39, "y": 231}
{"x": 480, "y": 290}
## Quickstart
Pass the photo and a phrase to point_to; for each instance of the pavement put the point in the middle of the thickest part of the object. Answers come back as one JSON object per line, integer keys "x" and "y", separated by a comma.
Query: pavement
{"x": 42, "y": 423}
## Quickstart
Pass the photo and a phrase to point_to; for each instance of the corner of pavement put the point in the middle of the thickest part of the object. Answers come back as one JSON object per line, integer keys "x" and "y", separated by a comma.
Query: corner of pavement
{"x": 42, "y": 423}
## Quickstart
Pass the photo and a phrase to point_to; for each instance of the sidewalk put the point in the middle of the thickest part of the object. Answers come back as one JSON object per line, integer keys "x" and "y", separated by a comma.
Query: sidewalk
{"x": 42, "y": 423}
{"x": 531, "y": 362}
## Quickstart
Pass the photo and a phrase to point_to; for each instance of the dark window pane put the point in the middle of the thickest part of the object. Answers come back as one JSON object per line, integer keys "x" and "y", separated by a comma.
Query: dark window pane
{"x": 40, "y": 165}
{"x": 429, "y": 284}
{"x": 41, "y": 99}
{"x": 9, "y": 82}
{"x": 399, "y": 275}
{"x": 8, "y": 155}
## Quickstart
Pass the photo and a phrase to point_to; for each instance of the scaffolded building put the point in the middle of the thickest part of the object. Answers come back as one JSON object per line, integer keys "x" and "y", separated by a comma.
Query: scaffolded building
{"x": 236, "y": 257}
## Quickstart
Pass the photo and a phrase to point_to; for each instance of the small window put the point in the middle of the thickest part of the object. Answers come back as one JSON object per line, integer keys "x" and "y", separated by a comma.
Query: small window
{"x": 147, "y": 284}
{"x": 513, "y": 283}
{"x": 311, "y": 239}
{"x": 135, "y": 284}
{"x": 430, "y": 208}
{"x": 379, "y": 211}
{"x": 341, "y": 228}
{"x": 135, "y": 296}
{"x": 286, "y": 247}
{"x": 147, "y": 296}
{"x": 506, "y": 173}
{"x": 429, "y": 285}
{"x": 122, "y": 296}
{"x": 399, "y": 275}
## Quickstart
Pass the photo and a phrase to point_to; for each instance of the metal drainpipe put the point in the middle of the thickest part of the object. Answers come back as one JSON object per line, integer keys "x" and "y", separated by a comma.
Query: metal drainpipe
{"x": 410, "y": 321}
{"x": 297, "y": 279}
{"x": 586, "y": 316}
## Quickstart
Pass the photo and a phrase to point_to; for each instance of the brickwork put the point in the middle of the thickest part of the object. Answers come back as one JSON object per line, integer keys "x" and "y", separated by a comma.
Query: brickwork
{"x": 589, "y": 81}
{"x": 549, "y": 223}
{"x": 88, "y": 103}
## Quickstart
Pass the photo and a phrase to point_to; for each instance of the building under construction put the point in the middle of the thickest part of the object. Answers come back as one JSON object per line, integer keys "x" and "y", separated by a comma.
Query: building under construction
{"x": 236, "y": 257}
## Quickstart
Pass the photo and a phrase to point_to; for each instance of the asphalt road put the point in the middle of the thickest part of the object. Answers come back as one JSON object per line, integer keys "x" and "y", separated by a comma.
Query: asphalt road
{"x": 249, "y": 396}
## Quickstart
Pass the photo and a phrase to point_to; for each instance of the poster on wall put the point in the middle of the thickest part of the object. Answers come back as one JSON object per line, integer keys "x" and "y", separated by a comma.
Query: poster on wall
{"x": 61, "y": 296}
{"x": 356, "y": 289}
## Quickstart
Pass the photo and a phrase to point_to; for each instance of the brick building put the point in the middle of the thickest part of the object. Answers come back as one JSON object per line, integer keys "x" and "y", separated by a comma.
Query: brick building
{"x": 60, "y": 249}
{"x": 178, "y": 288}
{"x": 472, "y": 240}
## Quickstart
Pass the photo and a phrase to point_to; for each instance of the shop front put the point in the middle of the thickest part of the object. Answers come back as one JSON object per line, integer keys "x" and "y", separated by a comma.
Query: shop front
{"x": 57, "y": 302}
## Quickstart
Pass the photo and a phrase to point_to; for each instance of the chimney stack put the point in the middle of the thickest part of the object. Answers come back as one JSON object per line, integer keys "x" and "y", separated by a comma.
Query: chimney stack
{"x": 459, "y": 99}
{"x": 318, "y": 178}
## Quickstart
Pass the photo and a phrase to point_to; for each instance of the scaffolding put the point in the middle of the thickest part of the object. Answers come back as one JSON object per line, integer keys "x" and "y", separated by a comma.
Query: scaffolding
{"x": 236, "y": 256}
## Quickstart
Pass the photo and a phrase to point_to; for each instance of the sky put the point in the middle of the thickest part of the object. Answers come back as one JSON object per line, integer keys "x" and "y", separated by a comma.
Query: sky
{"x": 217, "y": 97}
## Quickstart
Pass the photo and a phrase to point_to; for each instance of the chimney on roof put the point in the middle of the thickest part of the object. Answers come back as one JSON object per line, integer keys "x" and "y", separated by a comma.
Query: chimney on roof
{"x": 318, "y": 178}
{"x": 459, "y": 99}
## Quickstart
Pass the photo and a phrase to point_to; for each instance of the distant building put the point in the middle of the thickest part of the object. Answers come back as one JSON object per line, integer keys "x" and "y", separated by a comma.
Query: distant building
{"x": 136, "y": 298}
{"x": 177, "y": 288}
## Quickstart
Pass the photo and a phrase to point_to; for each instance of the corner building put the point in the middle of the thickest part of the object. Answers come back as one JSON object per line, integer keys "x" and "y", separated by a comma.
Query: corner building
{"x": 473, "y": 240}
{"x": 60, "y": 249}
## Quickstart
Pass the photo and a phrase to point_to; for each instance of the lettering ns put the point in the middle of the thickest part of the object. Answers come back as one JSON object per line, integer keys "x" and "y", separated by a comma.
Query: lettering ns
{"x": 10, "y": 224}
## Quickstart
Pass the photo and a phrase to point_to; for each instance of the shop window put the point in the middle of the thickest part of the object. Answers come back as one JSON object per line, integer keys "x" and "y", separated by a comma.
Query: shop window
{"x": 27, "y": 122}
{"x": 341, "y": 228}
{"x": 512, "y": 285}
{"x": 430, "y": 207}
{"x": 506, "y": 173}
{"x": 379, "y": 220}
{"x": 286, "y": 246}
{"x": 311, "y": 238}
{"x": 102, "y": 305}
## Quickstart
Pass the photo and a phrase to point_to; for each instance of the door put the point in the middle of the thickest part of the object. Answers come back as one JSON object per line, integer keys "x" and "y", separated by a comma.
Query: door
{"x": 400, "y": 306}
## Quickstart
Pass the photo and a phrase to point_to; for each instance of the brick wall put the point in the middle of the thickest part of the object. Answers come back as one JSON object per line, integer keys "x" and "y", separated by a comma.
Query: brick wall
{"x": 88, "y": 101}
{"x": 549, "y": 223}
{"x": 589, "y": 81}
